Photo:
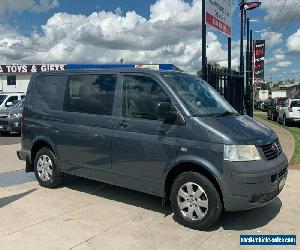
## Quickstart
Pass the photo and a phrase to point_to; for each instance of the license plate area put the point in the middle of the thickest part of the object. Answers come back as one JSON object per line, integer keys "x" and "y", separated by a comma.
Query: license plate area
{"x": 281, "y": 183}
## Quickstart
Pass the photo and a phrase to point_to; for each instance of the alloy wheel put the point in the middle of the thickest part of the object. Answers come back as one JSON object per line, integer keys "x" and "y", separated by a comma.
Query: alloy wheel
{"x": 192, "y": 201}
{"x": 45, "y": 168}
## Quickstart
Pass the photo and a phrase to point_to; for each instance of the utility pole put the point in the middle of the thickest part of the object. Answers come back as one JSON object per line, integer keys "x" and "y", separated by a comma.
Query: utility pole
{"x": 248, "y": 70}
{"x": 242, "y": 38}
{"x": 204, "y": 61}
{"x": 252, "y": 90}
{"x": 229, "y": 53}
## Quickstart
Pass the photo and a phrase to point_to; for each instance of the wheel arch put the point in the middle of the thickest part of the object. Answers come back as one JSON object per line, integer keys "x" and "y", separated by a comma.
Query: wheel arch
{"x": 37, "y": 144}
{"x": 210, "y": 173}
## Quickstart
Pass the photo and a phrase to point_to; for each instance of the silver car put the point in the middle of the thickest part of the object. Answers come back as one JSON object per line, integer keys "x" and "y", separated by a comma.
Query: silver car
{"x": 10, "y": 118}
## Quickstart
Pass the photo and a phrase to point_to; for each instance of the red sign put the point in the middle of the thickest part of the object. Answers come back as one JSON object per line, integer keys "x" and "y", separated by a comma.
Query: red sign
{"x": 218, "y": 15}
{"x": 211, "y": 20}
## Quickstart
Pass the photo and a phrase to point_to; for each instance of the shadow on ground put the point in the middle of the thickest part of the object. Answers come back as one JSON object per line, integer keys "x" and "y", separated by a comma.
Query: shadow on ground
{"x": 10, "y": 199}
{"x": 244, "y": 220}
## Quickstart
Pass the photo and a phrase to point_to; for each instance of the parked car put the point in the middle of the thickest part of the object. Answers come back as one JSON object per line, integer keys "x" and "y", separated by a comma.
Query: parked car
{"x": 289, "y": 111}
{"x": 265, "y": 105}
{"x": 8, "y": 100}
{"x": 274, "y": 107}
{"x": 10, "y": 118}
{"x": 160, "y": 132}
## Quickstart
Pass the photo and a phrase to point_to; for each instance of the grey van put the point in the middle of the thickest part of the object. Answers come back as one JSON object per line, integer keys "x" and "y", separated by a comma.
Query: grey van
{"x": 164, "y": 133}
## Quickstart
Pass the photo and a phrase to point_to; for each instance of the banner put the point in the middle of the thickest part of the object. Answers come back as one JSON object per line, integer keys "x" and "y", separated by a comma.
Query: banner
{"x": 259, "y": 59}
{"x": 29, "y": 69}
{"x": 218, "y": 15}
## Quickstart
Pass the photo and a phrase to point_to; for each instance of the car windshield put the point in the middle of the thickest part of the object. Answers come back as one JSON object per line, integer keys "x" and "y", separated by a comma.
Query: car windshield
{"x": 2, "y": 98}
{"x": 19, "y": 104}
{"x": 200, "y": 98}
{"x": 295, "y": 104}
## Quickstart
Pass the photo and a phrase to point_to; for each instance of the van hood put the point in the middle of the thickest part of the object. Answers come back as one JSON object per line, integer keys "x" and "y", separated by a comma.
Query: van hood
{"x": 238, "y": 130}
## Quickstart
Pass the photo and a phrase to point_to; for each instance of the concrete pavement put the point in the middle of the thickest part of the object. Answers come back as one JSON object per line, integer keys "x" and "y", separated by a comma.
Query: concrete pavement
{"x": 85, "y": 214}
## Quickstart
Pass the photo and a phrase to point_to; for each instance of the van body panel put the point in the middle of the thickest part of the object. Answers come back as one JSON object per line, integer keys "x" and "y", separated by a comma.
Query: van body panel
{"x": 239, "y": 130}
{"x": 144, "y": 148}
{"x": 84, "y": 141}
{"x": 139, "y": 153}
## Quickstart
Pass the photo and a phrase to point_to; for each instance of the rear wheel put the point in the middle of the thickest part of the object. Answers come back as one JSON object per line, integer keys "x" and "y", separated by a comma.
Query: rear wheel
{"x": 195, "y": 201}
{"x": 46, "y": 170}
{"x": 284, "y": 121}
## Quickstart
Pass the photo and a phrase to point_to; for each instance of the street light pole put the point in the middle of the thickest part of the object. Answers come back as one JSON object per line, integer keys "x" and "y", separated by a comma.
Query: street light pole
{"x": 242, "y": 38}
{"x": 204, "y": 61}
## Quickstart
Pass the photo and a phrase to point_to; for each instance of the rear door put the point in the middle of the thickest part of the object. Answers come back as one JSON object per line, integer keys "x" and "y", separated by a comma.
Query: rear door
{"x": 295, "y": 108}
{"x": 142, "y": 145}
{"x": 84, "y": 139}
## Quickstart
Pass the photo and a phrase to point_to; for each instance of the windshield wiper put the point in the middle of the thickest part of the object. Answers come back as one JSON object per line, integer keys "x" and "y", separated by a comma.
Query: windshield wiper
{"x": 226, "y": 113}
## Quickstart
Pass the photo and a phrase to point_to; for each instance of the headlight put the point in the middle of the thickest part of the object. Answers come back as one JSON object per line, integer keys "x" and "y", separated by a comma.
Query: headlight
{"x": 12, "y": 116}
{"x": 241, "y": 153}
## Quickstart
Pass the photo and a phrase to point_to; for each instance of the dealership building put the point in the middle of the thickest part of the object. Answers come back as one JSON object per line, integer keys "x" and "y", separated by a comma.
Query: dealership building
{"x": 16, "y": 77}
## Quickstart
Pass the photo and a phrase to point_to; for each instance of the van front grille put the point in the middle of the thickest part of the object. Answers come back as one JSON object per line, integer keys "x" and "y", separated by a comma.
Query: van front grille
{"x": 272, "y": 150}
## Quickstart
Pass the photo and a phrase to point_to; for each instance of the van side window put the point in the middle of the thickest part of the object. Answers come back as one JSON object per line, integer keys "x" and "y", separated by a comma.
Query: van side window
{"x": 90, "y": 94}
{"x": 48, "y": 92}
{"x": 141, "y": 94}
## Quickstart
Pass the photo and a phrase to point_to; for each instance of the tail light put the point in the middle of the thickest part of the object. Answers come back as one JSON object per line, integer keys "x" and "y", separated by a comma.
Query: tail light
{"x": 290, "y": 109}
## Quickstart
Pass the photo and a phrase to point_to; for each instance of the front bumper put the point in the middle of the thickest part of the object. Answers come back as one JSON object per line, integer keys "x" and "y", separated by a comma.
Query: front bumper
{"x": 10, "y": 125}
{"x": 248, "y": 185}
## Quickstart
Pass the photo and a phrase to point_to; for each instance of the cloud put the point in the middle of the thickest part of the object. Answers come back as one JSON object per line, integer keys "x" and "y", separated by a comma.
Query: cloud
{"x": 280, "y": 13}
{"x": 274, "y": 69}
{"x": 293, "y": 42}
{"x": 19, "y": 6}
{"x": 272, "y": 38}
{"x": 284, "y": 64}
{"x": 172, "y": 34}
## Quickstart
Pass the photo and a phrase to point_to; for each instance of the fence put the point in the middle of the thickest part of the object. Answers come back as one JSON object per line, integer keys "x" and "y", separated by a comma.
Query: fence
{"x": 228, "y": 83}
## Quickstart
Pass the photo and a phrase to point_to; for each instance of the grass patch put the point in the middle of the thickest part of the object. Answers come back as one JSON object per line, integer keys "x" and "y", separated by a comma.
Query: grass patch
{"x": 295, "y": 131}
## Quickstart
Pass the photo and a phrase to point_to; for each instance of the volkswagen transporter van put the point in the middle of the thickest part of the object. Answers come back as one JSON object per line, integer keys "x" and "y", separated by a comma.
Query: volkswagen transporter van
{"x": 164, "y": 133}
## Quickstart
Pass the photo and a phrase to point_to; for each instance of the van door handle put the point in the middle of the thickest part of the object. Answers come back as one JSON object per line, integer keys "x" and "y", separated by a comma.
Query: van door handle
{"x": 123, "y": 124}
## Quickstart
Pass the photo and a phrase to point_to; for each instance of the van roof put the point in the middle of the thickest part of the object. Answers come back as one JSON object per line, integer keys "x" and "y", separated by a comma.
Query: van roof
{"x": 116, "y": 70}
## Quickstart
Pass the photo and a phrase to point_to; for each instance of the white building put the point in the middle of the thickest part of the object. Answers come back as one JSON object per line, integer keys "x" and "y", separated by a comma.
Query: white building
{"x": 15, "y": 78}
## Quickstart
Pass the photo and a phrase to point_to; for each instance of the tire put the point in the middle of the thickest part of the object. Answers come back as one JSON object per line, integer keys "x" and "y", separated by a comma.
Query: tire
{"x": 272, "y": 117}
{"x": 47, "y": 175}
{"x": 284, "y": 121}
{"x": 192, "y": 213}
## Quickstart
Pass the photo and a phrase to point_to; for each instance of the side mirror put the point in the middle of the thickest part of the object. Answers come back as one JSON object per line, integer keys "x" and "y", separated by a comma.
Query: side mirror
{"x": 8, "y": 104}
{"x": 166, "y": 111}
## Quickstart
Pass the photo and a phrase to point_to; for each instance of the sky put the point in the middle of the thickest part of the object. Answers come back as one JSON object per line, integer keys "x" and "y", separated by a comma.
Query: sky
{"x": 142, "y": 31}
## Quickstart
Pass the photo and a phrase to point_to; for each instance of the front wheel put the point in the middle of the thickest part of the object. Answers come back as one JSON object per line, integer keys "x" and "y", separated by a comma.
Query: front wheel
{"x": 195, "y": 201}
{"x": 45, "y": 169}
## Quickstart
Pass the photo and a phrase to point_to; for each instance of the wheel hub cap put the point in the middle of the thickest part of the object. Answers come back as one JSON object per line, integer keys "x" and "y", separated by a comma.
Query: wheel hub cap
{"x": 192, "y": 201}
{"x": 45, "y": 168}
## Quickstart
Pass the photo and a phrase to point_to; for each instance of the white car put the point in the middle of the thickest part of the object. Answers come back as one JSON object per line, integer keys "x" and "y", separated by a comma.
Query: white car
{"x": 7, "y": 100}
{"x": 289, "y": 111}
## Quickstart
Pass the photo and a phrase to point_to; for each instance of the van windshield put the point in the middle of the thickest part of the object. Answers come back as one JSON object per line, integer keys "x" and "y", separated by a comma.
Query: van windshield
{"x": 200, "y": 98}
{"x": 2, "y": 98}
